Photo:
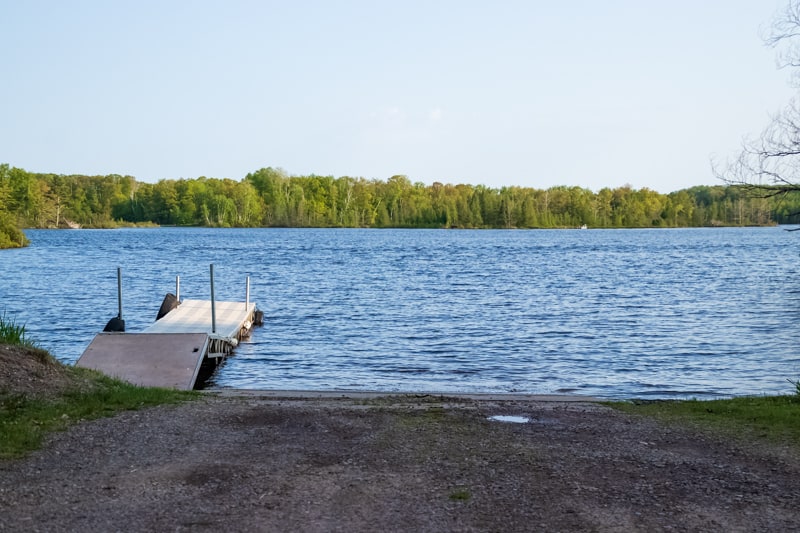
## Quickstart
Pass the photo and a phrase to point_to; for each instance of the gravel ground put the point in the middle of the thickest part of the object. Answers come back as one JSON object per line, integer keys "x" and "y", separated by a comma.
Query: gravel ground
{"x": 404, "y": 463}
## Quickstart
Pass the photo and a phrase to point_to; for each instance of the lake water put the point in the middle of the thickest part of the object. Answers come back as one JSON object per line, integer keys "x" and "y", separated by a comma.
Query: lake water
{"x": 612, "y": 313}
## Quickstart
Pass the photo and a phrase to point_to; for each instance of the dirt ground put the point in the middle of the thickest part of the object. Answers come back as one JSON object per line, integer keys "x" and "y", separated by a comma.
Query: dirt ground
{"x": 403, "y": 463}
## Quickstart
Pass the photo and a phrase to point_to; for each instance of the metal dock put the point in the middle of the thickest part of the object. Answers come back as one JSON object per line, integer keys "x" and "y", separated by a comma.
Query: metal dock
{"x": 168, "y": 360}
{"x": 190, "y": 340}
{"x": 224, "y": 324}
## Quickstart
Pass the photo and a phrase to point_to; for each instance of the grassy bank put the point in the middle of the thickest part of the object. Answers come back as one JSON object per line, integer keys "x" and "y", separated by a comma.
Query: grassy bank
{"x": 25, "y": 420}
{"x": 39, "y": 395}
{"x": 772, "y": 418}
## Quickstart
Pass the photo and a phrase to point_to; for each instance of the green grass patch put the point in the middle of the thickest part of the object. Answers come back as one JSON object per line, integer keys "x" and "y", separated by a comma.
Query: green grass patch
{"x": 26, "y": 420}
{"x": 54, "y": 396}
{"x": 773, "y": 418}
{"x": 460, "y": 495}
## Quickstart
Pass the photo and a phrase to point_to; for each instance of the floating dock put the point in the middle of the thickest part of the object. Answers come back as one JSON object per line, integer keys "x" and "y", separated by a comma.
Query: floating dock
{"x": 190, "y": 340}
{"x": 224, "y": 324}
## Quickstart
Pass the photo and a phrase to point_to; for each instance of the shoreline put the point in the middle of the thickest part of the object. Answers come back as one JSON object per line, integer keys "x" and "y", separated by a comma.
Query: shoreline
{"x": 289, "y": 394}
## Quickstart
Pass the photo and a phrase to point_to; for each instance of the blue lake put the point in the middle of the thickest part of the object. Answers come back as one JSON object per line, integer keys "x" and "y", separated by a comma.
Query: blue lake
{"x": 612, "y": 313}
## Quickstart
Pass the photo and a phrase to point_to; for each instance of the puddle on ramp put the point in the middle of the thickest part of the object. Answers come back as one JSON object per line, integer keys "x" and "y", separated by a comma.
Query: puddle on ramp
{"x": 513, "y": 419}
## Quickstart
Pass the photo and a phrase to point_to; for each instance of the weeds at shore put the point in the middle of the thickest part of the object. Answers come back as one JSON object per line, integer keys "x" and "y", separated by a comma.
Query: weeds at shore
{"x": 796, "y": 386}
{"x": 13, "y": 334}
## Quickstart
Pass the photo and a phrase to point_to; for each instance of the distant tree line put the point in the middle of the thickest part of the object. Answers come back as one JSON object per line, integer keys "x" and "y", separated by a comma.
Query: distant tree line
{"x": 271, "y": 198}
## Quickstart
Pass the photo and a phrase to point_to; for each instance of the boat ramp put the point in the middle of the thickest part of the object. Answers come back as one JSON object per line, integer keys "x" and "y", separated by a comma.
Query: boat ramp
{"x": 189, "y": 339}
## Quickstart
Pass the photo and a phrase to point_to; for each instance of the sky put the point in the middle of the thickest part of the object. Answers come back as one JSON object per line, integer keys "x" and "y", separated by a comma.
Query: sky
{"x": 499, "y": 93}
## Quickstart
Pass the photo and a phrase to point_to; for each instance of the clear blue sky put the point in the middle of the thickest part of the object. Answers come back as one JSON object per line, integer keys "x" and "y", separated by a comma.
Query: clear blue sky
{"x": 527, "y": 93}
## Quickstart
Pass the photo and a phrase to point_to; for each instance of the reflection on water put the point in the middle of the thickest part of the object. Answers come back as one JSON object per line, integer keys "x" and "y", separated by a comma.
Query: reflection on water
{"x": 609, "y": 313}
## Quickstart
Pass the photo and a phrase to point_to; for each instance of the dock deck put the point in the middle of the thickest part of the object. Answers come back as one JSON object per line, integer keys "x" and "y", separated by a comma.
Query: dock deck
{"x": 170, "y": 352}
{"x": 194, "y": 316}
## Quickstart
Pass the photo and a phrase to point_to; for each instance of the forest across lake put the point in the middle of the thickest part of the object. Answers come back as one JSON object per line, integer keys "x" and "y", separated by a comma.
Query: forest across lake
{"x": 270, "y": 198}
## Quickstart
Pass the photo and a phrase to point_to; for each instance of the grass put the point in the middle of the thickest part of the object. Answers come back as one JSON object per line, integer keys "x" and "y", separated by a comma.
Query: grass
{"x": 796, "y": 386}
{"x": 25, "y": 420}
{"x": 460, "y": 495}
{"x": 772, "y": 418}
{"x": 11, "y": 333}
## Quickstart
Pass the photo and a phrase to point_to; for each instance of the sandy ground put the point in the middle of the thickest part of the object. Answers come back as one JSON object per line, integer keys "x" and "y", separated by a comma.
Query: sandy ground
{"x": 406, "y": 463}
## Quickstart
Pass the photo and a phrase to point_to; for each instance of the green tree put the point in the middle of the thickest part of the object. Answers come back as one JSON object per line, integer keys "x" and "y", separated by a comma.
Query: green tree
{"x": 10, "y": 234}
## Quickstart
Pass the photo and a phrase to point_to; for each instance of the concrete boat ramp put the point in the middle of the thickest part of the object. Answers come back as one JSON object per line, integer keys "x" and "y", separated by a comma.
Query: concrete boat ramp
{"x": 192, "y": 337}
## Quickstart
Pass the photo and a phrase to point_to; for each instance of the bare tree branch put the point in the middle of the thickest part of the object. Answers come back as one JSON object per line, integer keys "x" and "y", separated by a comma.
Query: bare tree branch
{"x": 783, "y": 34}
{"x": 768, "y": 166}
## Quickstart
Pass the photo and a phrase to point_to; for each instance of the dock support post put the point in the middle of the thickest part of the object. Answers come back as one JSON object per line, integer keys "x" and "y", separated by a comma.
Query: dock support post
{"x": 178, "y": 288}
{"x": 119, "y": 292}
{"x": 213, "y": 309}
{"x": 247, "y": 294}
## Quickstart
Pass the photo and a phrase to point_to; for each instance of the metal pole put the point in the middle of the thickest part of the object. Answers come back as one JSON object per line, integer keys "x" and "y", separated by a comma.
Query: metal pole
{"x": 178, "y": 288}
{"x": 213, "y": 310}
{"x": 119, "y": 291}
{"x": 247, "y": 295}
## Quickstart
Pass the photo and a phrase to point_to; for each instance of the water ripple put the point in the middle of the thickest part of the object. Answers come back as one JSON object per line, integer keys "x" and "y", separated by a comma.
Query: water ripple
{"x": 649, "y": 313}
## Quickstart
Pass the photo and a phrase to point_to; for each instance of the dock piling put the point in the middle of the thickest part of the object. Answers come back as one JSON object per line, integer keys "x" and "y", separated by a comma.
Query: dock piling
{"x": 119, "y": 292}
{"x": 178, "y": 288}
{"x": 117, "y": 324}
{"x": 213, "y": 309}
{"x": 247, "y": 294}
